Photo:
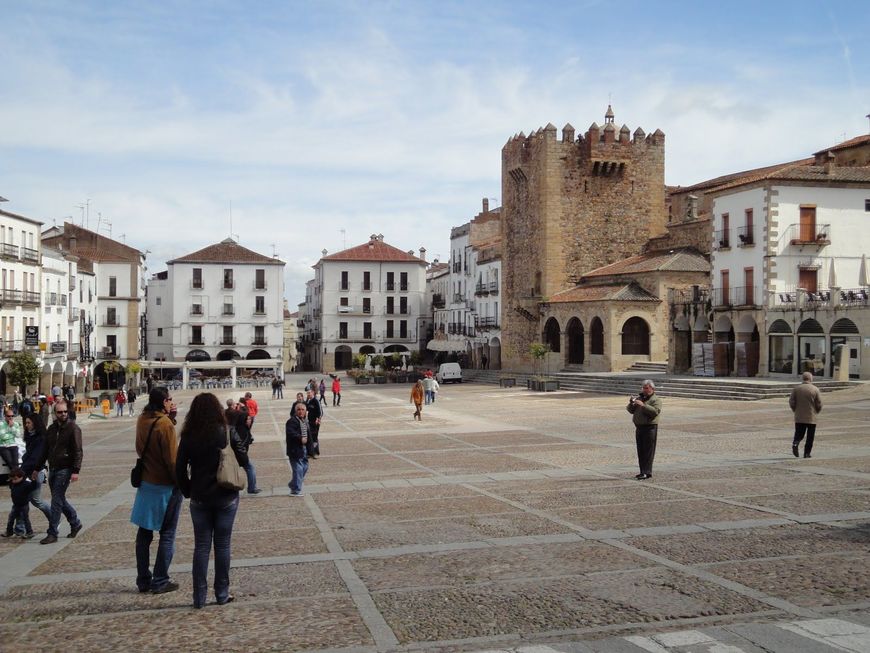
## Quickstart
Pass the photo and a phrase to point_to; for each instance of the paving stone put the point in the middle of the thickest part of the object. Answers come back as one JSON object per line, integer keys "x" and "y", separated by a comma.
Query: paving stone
{"x": 657, "y": 513}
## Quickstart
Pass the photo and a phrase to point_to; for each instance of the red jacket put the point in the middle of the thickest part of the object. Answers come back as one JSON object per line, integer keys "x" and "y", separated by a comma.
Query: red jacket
{"x": 336, "y": 386}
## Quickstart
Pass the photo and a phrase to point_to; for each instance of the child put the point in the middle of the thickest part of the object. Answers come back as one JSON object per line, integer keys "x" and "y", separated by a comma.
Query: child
{"x": 21, "y": 488}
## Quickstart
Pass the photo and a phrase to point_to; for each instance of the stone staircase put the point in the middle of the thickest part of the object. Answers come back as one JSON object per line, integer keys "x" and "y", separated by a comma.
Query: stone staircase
{"x": 649, "y": 366}
{"x": 628, "y": 383}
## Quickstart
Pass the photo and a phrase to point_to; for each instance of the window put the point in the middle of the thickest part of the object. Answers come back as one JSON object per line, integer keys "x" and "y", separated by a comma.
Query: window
{"x": 228, "y": 305}
{"x": 403, "y": 305}
{"x": 111, "y": 317}
{"x": 867, "y": 205}
{"x": 113, "y": 286}
{"x": 367, "y": 281}
{"x": 367, "y": 330}
{"x": 159, "y": 332}
{"x": 112, "y": 344}
{"x": 389, "y": 328}
{"x": 157, "y": 301}
{"x": 391, "y": 281}
{"x": 596, "y": 336}
{"x": 228, "y": 279}
{"x": 390, "y": 305}
{"x": 260, "y": 305}
{"x": 195, "y": 335}
{"x": 725, "y": 287}
{"x": 196, "y": 282}
{"x": 403, "y": 281}
{"x": 260, "y": 279}
{"x": 367, "y": 304}
{"x": 259, "y": 335}
{"x": 345, "y": 284}
{"x": 808, "y": 280}
{"x": 342, "y": 301}
{"x": 635, "y": 337}
{"x": 342, "y": 330}
{"x": 196, "y": 305}
{"x": 403, "y": 328}
{"x": 808, "y": 224}
{"x": 227, "y": 336}
{"x": 749, "y": 286}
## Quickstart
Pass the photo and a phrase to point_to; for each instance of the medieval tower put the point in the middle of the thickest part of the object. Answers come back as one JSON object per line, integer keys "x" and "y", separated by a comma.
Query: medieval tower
{"x": 570, "y": 206}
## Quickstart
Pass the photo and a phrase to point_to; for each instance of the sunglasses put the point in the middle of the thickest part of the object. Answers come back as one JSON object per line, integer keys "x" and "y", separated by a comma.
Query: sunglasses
{"x": 61, "y": 412}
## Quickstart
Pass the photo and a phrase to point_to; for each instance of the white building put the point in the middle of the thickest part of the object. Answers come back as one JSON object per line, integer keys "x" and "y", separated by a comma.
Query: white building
{"x": 19, "y": 286}
{"x": 119, "y": 290}
{"x": 786, "y": 265}
{"x": 59, "y": 328}
{"x": 367, "y": 299}
{"x": 223, "y": 302}
{"x": 291, "y": 340}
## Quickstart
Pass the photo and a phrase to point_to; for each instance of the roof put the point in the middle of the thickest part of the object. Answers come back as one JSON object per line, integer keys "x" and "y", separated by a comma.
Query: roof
{"x": 89, "y": 245}
{"x": 226, "y": 251}
{"x": 852, "y": 142}
{"x": 20, "y": 217}
{"x": 374, "y": 250}
{"x": 288, "y": 315}
{"x": 807, "y": 173}
{"x": 738, "y": 176}
{"x": 624, "y": 292}
{"x": 681, "y": 260}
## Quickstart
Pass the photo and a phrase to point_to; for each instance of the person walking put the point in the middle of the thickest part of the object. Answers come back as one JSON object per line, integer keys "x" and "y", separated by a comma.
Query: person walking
{"x": 645, "y": 410}
{"x": 336, "y": 391}
{"x": 131, "y": 399}
{"x": 417, "y": 394}
{"x": 238, "y": 418}
{"x": 63, "y": 453}
{"x": 806, "y": 403}
{"x": 296, "y": 432}
{"x": 11, "y": 438}
{"x": 281, "y": 388}
{"x": 34, "y": 445}
{"x": 212, "y": 507}
{"x": 253, "y": 408}
{"x": 315, "y": 413}
{"x": 120, "y": 400}
{"x": 322, "y": 389}
{"x": 158, "y": 499}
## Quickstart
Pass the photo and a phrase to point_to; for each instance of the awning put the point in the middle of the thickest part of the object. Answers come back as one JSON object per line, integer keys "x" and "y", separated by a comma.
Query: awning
{"x": 446, "y": 345}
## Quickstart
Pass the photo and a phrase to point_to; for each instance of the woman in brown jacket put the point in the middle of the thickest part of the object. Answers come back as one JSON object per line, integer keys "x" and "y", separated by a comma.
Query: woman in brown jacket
{"x": 417, "y": 400}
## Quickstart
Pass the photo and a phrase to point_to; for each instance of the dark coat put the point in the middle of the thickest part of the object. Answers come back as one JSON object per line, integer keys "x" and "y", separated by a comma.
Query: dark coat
{"x": 293, "y": 430}
{"x": 63, "y": 447}
{"x": 314, "y": 410}
{"x": 196, "y": 466}
{"x": 34, "y": 448}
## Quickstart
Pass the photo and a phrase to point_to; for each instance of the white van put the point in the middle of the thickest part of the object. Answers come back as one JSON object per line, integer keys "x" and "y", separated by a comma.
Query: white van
{"x": 449, "y": 372}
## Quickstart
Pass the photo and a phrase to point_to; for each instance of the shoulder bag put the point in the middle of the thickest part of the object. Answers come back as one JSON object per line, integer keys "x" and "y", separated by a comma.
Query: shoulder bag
{"x": 139, "y": 467}
{"x": 229, "y": 475}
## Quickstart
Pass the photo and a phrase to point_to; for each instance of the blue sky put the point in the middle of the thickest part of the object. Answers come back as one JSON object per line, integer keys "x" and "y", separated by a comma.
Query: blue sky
{"x": 310, "y": 118}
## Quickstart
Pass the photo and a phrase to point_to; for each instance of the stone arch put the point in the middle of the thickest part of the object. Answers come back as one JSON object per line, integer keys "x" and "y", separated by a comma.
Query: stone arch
{"x": 845, "y": 326}
{"x": 258, "y": 355}
{"x": 69, "y": 374}
{"x": 45, "y": 379}
{"x": 343, "y": 357}
{"x": 197, "y": 355}
{"x": 723, "y": 324}
{"x": 596, "y": 336}
{"x": 810, "y": 325}
{"x": 574, "y": 340}
{"x": 228, "y": 355}
{"x": 746, "y": 324}
{"x": 57, "y": 373}
{"x": 552, "y": 335}
{"x": 389, "y": 349}
{"x": 635, "y": 337}
{"x": 779, "y": 326}
{"x": 367, "y": 350}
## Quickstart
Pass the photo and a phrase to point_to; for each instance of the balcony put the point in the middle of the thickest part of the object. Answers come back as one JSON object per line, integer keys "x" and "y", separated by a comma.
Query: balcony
{"x": 9, "y": 251}
{"x": 259, "y": 312}
{"x": 29, "y": 255}
{"x": 32, "y": 298}
{"x": 259, "y": 342}
{"x": 366, "y": 287}
{"x": 722, "y": 239}
{"x": 227, "y": 341}
{"x": 403, "y": 287}
{"x": 228, "y": 284}
{"x": 259, "y": 285}
{"x": 803, "y": 235}
{"x": 196, "y": 341}
{"x": 391, "y": 285}
{"x": 344, "y": 287}
{"x": 73, "y": 317}
{"x": 458, "y": 298}
{"x": 196, "y": 309}
{"x": 486, "y": 323}
{"x": 113, "y": 322}
{"x": 438, "y": 301}
{"x": 300, "y": 324}
{"x": 746, "y": 236}
{"x": 737, "y": 297}
{"x": 228, "y": 310}
{"x": 12, "y": 296}
{"x": 196, "y": 284}
{"x": 74, "y": 349}
{"x": 107, "y": 355}
{"x": 694, "y": 295}
{"x": 481, "y": 290}
{"x": 493, "y": 287}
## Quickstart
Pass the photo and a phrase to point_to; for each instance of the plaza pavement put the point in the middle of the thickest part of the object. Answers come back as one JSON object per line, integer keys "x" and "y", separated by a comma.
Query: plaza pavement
{"x": 506, "y": 520}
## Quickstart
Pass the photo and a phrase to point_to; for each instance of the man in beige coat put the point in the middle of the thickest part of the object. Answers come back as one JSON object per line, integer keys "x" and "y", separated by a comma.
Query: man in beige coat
{"x": 806, "y": 403}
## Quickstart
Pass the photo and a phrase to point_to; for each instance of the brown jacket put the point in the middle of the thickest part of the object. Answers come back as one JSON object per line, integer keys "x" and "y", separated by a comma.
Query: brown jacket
{"x": 417, "y": 394}
{"x": 806, "y": 402}
{"x": 162, "y": 449}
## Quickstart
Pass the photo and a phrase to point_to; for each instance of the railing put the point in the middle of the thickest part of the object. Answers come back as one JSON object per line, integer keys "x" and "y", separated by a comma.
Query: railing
{"x": 73, "y": 317}
{"x": 812, "y": 235}
{"x": 74, "y": 349}
{"x": 196, "y": 341}
{"x": 227, "y": 341}
{"x": 403, "y": 287}
{"x": 196, "y": 309}
{"x": 695, "y": 295}
{"x": 735, "y": 296}
{"x": 493, "y": 287}
{"x": 8, "y": 251}
{"x": 259, "y": 286}
{"x": 11, "y": 296}
{"x": 457, "y": 267}
{"x": 390, "y": 285}
{"x": 228, "y": 284}
{"x": 486, "y": 323}
{"x": 481, "y": 289}
{"x": 796, "y": 298}
{"x": 106, "y": 355}
{"x": 111, "y": 323}
{"x": 258, "y": 312}
{"x": 458, "y": 298}
{"x": 722, "y": 239}
{"x": 31, "y": 297}
{"x": 258, "y": 342}
{"x": 344, "y": 286}
{"x": 30, "y": 255}
{"x": 196, "y": 284}
{"x": 366, "y": 287}
{"x": 746, "y": 235}
{"x": 228, "y": 310}
{"x": 438, "y": 301}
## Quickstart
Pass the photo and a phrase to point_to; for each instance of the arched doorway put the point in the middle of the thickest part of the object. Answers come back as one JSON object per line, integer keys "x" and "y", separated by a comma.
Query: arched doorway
{"x": 343, "y": 357}
{"x": 845, "y": 333}
{"x": 682, "y": 345}
{"x": 747, "y": 346}
{"x": 197, "y": 356}
{"x": 780, "y": 346}
{"x": 723, "y": 346}
{"x": 553, "y": 335}
{"x": 635, "y": 337}
{"x": 596, "y": 337}
{"x": 109, "y": 374}
{"x": 367, "y": 350}
{"x": 576, "y": 346}
{"x": 494, "y": 362}
{"x": 811, "y": 348}
{"x": 228, "y": 355}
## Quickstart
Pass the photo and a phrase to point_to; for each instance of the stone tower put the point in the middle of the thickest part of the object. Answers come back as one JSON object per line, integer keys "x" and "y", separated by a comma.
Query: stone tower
{"x": 570, "y": 206}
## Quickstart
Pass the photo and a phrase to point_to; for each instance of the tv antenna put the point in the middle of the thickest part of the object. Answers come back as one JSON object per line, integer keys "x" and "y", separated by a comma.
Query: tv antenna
{"x": 343, "y": 238}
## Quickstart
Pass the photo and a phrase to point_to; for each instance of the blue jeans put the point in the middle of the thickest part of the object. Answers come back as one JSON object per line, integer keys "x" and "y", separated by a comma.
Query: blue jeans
{"x": 210, "y": 521}
{"x": 430, "y": 396}
{"x": 58, "y": 482}
{"x": 145, "y": 580}
{"x": 252, "y": 476}
{"x": 300, "y": 468}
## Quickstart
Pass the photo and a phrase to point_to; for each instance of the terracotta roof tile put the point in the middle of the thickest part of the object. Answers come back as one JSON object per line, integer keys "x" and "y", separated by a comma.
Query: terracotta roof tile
{"x": 626, "y": 292}
{"x": 808, "y": 173}
{"x": 677, "y": 261}
{"x": 852, "y": 142}
{"x": 226, "y": 251}
{"x": 735, "y": 177}
{"x": 374, "y": 250}
{"x": 90, "y": 245}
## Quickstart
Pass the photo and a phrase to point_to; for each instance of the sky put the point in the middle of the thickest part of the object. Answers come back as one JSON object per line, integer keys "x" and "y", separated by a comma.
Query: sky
{"x": 302, "y": 126}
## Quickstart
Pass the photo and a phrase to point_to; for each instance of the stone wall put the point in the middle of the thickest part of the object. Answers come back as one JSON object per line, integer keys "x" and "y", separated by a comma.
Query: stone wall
{"x": 570, "y": 206}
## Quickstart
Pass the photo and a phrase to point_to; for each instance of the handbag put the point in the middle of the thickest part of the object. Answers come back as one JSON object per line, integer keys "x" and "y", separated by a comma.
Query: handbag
{"x": 229, "y": 475}
{"x": 139, "y": 467}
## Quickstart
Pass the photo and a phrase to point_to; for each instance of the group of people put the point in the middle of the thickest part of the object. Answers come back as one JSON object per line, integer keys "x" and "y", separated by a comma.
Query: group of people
{"x": 319, "y": 388}
{"x": 125, "y": 397}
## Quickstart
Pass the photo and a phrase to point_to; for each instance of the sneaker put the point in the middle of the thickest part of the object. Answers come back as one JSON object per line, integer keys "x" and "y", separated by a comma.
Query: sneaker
{"x": 255, "y": 491}
{"x": 48, "y": 539}
{"x": 74, "y": 530}
{"x": 7, "y": 534}
{"x": 794, "y": 450}
{"x": 230, "y": 598}
{"x": 164, "y": 589}
{"x": 29, "y": 536}
{"x": 297, "y": 494}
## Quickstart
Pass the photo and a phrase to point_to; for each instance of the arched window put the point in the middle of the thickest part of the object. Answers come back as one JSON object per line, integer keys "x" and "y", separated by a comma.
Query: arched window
{"x": 552, "y": 335}
{"x": 575, "y": 342}
{"x": 596, "y": 336}
{"x": 635, "y": 336}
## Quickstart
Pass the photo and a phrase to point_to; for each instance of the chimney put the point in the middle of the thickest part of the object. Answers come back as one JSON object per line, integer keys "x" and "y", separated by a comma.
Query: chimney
{"x": 830, "y": 162}
{"x": 423, "y": 251}
{"x": 73, "y": 242}
{"x": 486, "y": 205}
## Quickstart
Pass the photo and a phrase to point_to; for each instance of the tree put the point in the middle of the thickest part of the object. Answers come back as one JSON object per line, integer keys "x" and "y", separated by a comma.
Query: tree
{"x": 23, "y": 369}
{"x": 110, "y": 368}
{"x": 538, "y": 350}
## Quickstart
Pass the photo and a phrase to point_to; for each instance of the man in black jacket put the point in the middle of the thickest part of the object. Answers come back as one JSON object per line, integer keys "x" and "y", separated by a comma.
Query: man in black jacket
{"x": 63, "y": 452}
{"x": 296, "y": 431}
{"x": 315, "y": 412}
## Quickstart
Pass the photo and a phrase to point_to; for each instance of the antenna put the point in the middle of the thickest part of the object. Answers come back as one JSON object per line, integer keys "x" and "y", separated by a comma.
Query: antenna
{"x": 231, "y": 220}
{"x": 124, "y": 238}
{"x": 343, "y": 238}
{"x": 274, "y": 251}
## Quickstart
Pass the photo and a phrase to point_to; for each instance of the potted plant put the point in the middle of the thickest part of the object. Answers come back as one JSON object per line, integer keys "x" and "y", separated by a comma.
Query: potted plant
{"x": 540, "y": 382}
{"x": 507, "y": 381}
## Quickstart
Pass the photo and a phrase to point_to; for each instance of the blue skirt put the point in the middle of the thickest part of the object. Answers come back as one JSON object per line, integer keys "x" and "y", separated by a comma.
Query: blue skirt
{"x": 150, "y": 505}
